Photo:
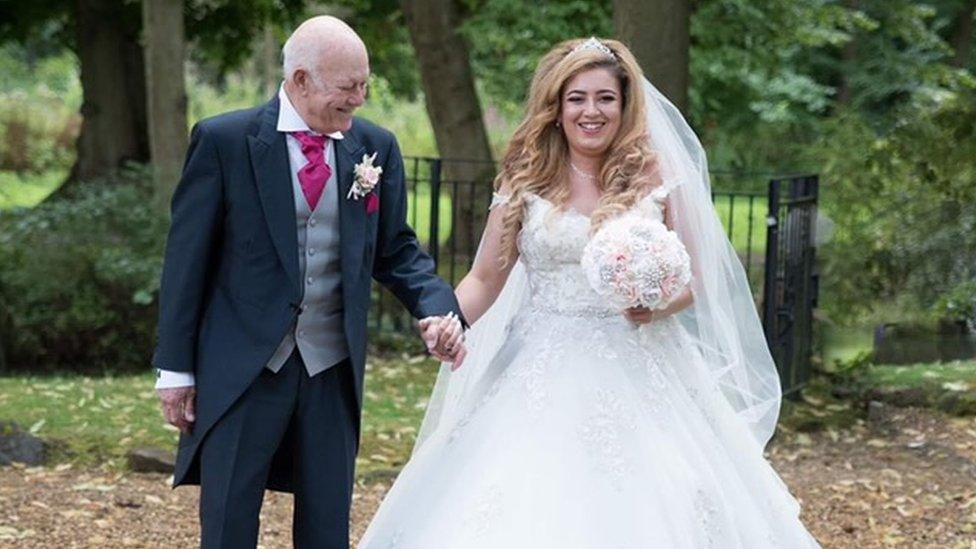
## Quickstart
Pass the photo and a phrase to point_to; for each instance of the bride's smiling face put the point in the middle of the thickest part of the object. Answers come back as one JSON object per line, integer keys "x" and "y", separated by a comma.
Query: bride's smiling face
{"x": 590, "y": 111}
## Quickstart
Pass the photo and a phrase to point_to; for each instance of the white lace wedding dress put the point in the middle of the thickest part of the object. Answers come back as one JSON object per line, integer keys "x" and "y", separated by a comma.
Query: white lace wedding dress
{"x": 596, "y": 435}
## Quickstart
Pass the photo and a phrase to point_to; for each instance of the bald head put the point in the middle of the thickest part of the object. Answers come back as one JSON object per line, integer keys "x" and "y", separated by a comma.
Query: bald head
{"x": 326, "y": 72}
{"x": 318, "y": 39}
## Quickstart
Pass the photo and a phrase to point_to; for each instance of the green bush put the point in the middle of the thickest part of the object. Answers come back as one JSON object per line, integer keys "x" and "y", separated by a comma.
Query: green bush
{"x": 39, "y": 102}
{"x": 79, "y": 278}
{"x": 902, "y": 201}
{"x": 36, "y": 134}
{"x": 960, "y": 303}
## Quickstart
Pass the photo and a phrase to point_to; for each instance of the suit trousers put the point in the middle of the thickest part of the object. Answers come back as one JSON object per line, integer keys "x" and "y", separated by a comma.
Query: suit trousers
{"x": 284, "y": 423}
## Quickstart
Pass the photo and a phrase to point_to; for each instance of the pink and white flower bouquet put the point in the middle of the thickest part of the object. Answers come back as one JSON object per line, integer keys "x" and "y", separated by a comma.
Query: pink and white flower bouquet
{"x": 635, "y": 261}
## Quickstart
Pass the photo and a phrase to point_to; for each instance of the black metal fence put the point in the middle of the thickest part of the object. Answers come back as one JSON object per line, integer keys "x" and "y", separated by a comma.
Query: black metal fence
{"x": 791, "y": 277}
{"x": 448, "y": 202}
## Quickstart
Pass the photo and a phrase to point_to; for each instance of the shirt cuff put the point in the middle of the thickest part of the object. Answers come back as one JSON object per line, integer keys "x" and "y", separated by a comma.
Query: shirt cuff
{"x": 168, "y": 379}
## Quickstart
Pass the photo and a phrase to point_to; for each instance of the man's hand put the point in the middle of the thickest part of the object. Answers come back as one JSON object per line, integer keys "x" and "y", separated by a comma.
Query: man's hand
{"x": 179, "y": 406}
{"x": 444, "y": 338}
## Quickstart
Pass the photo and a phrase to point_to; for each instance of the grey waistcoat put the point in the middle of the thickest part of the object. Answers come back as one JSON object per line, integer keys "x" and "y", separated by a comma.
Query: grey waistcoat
{"x": 318, "y": 332}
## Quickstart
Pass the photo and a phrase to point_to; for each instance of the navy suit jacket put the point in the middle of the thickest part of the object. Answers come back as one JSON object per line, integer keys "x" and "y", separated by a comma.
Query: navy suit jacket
{"x": 230, "y": 284}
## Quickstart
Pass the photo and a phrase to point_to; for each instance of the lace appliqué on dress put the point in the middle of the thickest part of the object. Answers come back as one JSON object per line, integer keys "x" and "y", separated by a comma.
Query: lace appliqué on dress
{"x": 603, "y": 433}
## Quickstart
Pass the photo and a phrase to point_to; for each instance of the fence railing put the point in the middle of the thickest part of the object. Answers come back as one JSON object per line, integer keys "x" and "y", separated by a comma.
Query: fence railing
{"x": 791, "y": 279}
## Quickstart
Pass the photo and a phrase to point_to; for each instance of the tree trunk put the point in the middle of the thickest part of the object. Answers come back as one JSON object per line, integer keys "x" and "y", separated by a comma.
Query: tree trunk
{"x": 269, "y": 61}
{"x": 166, "y": 98}
{"x": 3, "y": 339}
{"x": 6, "y": 332}
{"x": 455, "y": 113}
{"x": 962, "y": 35}
{"x": 658, "y": 33}
{"x": 113, "y": 128}
{"x": 847, "y": 57}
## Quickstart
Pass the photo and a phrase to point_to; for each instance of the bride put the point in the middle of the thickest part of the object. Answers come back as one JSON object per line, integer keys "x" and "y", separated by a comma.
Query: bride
{"x": 573, "y": 424}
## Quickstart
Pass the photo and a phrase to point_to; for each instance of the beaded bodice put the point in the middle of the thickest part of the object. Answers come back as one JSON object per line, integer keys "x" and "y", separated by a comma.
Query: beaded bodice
{"x": 551, "y": 244}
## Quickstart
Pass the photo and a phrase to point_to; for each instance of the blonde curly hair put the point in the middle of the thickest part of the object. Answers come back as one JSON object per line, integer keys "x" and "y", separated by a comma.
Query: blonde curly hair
{"x": 537, "y": 158}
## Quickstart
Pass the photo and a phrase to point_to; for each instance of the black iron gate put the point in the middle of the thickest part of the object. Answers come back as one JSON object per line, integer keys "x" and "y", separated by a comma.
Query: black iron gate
{"x": 791, "y": 277}
{"x": 769, "y": 219}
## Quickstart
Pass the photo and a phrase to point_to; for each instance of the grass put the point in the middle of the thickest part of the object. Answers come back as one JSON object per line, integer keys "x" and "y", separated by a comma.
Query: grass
{"x": 18, "y": 191}
{"x": 817, "y": 410}
{"x": 394, "y": 403}
{"x": 956, "y": 375}
{"x": 949, "y": 386}
{"x": 95, "y": 421}
{"x": 736, "y": 211}
{"x": 844, "y": 343}
{"x": 418, "y": 213}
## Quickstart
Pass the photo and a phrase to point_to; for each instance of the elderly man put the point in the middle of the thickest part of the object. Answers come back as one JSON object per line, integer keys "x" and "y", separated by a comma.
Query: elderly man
{"x": 265, "y": 289}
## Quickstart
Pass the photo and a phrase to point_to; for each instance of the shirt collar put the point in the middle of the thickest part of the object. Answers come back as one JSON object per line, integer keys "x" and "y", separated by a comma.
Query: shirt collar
{"x": 290, "y": 121}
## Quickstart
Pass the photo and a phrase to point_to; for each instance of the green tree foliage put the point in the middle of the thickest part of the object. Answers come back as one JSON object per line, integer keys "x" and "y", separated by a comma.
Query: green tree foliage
{"x": 223, "y": 31}
{"x": 509, "y": 36}
{"x": 864, "y": 91}
{"x": 903, "y": 204}
{"x": 899, "y": 53}
{"x": 753, "y": 75}
{"x": 380, "y": 23}
{"x": 780, "y": 68}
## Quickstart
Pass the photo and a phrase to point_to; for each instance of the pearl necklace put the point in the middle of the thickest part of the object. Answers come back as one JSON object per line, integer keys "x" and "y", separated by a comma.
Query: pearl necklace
{"x": 582, "y": 173}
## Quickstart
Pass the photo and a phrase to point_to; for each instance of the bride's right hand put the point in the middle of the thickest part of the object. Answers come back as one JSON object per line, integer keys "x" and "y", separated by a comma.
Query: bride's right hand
{"x": 444, "y": 338}
{"x": 639, "y": 315}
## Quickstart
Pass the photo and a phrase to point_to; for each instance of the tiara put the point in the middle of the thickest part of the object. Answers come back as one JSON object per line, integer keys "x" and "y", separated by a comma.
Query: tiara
{"x": 594, "y": 44}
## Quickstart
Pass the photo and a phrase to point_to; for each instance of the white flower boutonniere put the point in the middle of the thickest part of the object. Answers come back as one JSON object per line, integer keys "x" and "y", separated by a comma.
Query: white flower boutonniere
{"x": 367, "y": 176}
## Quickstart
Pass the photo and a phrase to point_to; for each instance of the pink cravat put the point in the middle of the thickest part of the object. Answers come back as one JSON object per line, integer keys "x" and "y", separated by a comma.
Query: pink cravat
{"x": 312, "y": 176}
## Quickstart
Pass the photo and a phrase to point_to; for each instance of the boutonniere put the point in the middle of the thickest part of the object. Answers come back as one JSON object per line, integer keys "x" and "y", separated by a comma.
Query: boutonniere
{"x": 367, "y": 176}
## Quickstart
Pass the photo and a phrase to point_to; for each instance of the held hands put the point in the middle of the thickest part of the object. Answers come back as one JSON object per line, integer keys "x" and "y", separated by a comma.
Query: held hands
{"x": 179, "y": 406}
{"x": 444, "y": 337}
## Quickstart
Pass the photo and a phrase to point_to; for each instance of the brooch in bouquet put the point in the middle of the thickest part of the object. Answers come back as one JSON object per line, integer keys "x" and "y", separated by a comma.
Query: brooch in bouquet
{"x": 636, "y": 262}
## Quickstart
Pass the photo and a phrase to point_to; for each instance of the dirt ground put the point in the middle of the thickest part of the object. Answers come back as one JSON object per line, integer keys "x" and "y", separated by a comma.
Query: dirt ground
{"x": 907, "y": 478}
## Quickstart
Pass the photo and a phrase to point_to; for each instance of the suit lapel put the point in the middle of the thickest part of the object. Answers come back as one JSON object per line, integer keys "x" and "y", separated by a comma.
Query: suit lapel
{"x": 272, "y": 173}
{"x": 352, "y": 213}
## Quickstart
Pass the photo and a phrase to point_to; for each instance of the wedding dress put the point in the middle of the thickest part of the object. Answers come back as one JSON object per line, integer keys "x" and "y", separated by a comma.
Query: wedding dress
{"x": 588, "y": 432}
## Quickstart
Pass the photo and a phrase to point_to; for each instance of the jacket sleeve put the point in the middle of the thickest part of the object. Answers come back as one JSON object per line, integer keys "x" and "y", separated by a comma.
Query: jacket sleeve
{"x": 197, "y": 211}
{"x": 400, "y": 263}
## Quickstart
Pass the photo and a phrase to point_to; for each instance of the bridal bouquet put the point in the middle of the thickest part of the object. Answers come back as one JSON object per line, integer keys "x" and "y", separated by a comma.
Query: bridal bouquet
{"x": 634, "y": 261}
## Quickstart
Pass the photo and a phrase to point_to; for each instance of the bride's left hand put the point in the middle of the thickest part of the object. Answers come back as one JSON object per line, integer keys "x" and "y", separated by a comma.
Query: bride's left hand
{"x": 640, "y": 315}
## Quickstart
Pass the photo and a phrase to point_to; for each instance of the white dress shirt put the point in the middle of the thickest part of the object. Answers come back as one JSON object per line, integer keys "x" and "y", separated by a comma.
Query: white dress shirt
{"x": 288, "y": 121}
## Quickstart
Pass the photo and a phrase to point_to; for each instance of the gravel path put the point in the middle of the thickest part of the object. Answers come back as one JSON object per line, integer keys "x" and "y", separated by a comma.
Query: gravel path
{"x": 906, "y": 479}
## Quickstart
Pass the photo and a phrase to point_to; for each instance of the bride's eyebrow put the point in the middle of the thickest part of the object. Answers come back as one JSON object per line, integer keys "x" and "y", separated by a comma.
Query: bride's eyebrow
{"x": 578, "y": 91}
